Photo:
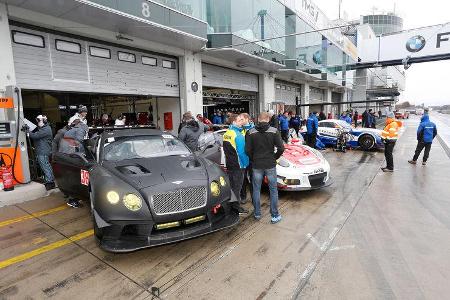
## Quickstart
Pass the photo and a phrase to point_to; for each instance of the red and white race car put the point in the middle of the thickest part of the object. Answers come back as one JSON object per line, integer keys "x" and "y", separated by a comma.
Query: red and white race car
{"x": 300, "y": 168}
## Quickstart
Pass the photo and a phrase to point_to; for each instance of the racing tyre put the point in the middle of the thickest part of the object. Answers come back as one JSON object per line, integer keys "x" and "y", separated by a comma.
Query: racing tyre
{"x": 366, "y": 142}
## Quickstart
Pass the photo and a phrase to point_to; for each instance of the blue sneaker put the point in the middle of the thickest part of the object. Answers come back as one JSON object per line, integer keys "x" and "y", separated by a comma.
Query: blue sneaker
{"x": 275, "y": 220}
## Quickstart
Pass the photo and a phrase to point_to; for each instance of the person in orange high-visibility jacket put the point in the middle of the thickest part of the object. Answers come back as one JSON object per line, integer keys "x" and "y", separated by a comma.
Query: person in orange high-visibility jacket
{"x": 389, "y": 136}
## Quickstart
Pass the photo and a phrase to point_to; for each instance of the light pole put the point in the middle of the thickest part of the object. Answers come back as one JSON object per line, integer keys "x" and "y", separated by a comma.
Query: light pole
{"x": 340, "y": 4}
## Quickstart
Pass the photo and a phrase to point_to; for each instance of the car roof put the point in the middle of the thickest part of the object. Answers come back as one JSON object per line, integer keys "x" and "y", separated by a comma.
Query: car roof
{"x": 132, "y": 131}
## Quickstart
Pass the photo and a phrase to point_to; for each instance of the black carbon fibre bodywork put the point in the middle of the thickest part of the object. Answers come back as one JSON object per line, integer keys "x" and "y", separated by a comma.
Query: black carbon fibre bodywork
{"x": 117, "y": 228}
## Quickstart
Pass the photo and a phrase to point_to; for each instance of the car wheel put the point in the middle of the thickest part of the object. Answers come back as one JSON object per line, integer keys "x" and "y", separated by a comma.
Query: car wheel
{"x": 366, "y": 142}
{"x": 98, "y": 232}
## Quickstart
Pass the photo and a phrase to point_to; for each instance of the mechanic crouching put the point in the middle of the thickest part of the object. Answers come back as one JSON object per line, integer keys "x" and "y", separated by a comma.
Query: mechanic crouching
{"x": 42, "y": 139}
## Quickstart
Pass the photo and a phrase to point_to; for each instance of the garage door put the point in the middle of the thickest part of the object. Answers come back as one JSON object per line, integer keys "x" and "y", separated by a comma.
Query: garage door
{"x": 55, "y": 61}
{"x": 215, "y": 76}
{"x": 286, "y": 92}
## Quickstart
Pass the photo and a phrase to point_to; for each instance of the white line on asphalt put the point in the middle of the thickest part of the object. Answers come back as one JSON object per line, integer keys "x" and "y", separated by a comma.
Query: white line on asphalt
{"x": 343, "y": 247}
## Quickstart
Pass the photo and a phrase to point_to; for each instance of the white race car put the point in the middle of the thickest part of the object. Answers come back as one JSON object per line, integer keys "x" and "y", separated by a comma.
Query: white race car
{"x": 300, "y": 168}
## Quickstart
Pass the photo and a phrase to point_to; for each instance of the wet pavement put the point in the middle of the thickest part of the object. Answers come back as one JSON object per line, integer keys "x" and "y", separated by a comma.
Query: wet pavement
{"x": 368, "y": 236}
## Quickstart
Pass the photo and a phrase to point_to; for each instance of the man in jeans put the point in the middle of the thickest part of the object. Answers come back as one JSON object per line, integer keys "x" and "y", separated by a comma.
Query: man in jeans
{"x": 260, "y": 146}
{"x": 236, "y": 159}
{"x": 42, "y": 140}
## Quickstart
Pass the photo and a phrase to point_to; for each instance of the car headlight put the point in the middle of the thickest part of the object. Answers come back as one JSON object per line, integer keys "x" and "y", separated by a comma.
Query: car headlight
{"x": 222, "y": 181}
{"x": 112, "y": 197}
{"x": 215, "y": 189}
{"x": 132, "y": 202}
{"x": 282, "y": 162}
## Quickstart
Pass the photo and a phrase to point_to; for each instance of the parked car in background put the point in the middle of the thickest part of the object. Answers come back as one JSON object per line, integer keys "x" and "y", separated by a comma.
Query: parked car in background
{"x": 364, "y": 138}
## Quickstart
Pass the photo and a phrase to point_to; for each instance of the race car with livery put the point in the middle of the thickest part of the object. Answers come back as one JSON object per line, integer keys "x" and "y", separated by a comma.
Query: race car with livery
{"x": 145, "y": 188}
{"x": 300, "y": 168}
{"x": 364, "y": 138}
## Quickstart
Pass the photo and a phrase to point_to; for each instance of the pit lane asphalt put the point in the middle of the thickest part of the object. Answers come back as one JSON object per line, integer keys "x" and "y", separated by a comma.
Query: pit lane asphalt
{"x": 369, "y": 235}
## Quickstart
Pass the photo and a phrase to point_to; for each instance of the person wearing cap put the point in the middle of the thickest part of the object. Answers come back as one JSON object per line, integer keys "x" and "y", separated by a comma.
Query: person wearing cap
{"x": 81, "y": 115}
{"x": 389, "y": 135}
{"x": 42, "y": 139}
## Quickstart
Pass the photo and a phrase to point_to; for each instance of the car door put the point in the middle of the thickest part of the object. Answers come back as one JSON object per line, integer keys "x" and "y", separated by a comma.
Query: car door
{"x": 71, "y": 173}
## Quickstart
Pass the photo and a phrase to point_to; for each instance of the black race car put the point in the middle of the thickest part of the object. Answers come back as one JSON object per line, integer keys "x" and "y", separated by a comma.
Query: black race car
{"x": 146, "y": 188}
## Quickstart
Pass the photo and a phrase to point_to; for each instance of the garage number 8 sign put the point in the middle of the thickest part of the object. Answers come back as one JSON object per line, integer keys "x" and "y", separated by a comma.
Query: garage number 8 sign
{"x": 145, "y": 10}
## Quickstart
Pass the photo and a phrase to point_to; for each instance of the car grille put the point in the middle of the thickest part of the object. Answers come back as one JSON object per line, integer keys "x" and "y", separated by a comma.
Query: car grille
{"x": 317, "y": 180}
{"x": 179, "y": 201}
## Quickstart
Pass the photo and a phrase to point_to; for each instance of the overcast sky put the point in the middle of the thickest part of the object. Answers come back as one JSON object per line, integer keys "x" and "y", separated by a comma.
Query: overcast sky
{"x": 425, "y": 82}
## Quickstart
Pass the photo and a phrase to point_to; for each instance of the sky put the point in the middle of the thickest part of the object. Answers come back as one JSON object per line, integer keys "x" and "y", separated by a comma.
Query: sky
{"x": 425, "y": 82}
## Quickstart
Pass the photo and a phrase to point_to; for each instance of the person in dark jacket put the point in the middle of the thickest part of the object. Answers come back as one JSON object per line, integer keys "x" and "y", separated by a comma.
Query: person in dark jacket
{"x": 261, "y": 143}
{"x": 274, "y": 122}
{"x": 295, "y": 123}
{"x": 187, "y": 116}
{"x": 322, "y": 116}
{"x": 42, "y": 139}
{"x": 365, "y": 116}
{"x": 312, "y": 125}
{"x": 190, "y": 133}
{"x": 58, "y": 137}
{"x": 426, "y": 132}
{"x": 355, "y": 118}
{"x": 284, "y": 126}
{"x": 73, "y": 138}
{"x": 236, "y": 159}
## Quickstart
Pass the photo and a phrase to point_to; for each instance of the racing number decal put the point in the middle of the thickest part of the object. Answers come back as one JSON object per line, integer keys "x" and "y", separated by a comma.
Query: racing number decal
{"x": 84, "y": 177}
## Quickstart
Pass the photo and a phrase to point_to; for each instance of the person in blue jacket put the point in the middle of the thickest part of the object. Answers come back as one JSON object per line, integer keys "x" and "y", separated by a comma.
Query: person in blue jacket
{"x": 284, "y": 126}
{"x": 426, "y": 132}
{"x": 217, "y": 119}
{"x": 312, "y": 125}
{"x": 295, "y": 122}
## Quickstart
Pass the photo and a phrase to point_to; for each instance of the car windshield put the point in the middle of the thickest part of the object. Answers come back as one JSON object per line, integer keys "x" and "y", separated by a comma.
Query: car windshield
{"x": 131, "y": 147}
{"x": 344, "y": 124}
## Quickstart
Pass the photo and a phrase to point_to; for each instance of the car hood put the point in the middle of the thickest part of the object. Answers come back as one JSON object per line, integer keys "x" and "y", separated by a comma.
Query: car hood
{"x": 148, "y": 172}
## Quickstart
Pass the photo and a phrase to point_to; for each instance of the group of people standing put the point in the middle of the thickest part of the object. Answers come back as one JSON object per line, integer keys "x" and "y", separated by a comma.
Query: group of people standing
{"x": 253, "y": 149}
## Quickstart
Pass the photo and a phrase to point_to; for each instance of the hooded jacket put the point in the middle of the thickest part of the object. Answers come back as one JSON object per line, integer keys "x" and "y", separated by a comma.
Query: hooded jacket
{"x": 234, "y": 148}
{"x": 260, "y": 145}
{"x": 284, "y": 122}
{"x": 42, "y": 139}
{"x": 312, "y": 124}
{"x": 390, "y": 131}
{"x": 190, "y": 133}
{"x": 427, "y": 130}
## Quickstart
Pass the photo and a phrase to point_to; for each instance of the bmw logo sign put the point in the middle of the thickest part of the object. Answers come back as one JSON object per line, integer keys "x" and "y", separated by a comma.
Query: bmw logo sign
{"x": 416, "y": 43}
{"x": 317, "y": 57}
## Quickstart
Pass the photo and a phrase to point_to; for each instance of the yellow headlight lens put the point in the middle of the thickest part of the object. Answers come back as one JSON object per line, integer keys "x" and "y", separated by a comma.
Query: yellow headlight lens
{"x": 112, "y": 197}
{"x": 222, "y": 181}
{"x": 215, "y": 188}
{"x": 132, "y": 202}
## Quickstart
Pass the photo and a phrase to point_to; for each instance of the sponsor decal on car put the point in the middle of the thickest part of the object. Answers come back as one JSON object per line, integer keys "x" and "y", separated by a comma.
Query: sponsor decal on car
{"x": 84, "y": 177}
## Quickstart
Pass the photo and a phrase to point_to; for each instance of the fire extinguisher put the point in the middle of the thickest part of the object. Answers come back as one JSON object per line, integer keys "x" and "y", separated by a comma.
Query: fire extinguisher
{"x": 6, "y": 174}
